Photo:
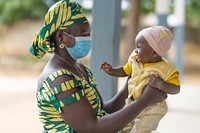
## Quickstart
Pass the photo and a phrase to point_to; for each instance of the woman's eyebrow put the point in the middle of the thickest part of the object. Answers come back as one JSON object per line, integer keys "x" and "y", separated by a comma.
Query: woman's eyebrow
{"x": 85, "y": 32}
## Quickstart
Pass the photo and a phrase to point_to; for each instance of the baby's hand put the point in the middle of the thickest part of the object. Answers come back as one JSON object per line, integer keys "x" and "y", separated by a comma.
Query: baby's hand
{"x": 155, "y": 81}
{"x": 106, "y": 67}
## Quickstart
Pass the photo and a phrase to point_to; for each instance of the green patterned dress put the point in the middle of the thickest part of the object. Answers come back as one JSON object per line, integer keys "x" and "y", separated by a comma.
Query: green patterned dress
{"x": 50, "y": 107}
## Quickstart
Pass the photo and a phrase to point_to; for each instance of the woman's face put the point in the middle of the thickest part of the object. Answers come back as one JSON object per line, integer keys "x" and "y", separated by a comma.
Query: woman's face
{"x": 76, "y": 31}
{"x": 144, "y": 53}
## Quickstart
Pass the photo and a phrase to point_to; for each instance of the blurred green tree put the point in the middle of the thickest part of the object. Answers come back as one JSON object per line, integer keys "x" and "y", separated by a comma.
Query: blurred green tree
{"x": 192, "y": 11}
{"x": 14, "y": 10}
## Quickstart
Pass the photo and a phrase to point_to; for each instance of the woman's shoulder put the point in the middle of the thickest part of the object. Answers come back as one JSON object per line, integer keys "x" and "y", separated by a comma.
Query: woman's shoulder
{"x": 52, "y": 75}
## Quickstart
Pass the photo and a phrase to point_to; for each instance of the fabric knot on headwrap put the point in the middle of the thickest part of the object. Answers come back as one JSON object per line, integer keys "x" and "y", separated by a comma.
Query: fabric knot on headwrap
{"x": 159, "y": 38}
{"x": 62, "y": 15}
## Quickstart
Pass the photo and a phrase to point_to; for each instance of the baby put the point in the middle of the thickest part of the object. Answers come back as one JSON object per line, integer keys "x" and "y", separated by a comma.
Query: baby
{"x": 147, "y": 66}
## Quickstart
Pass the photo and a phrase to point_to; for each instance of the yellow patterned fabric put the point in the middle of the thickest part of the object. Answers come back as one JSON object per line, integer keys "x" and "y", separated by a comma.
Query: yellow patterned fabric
{"x": 62, "y": 15}
{"x": 50, "y": 107}
{"x": 141, "y": 72}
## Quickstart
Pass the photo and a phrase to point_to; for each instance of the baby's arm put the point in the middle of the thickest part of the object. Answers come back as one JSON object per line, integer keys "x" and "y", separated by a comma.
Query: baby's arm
{"x": 113, "y": 71}
{"x": 157, "y": 82}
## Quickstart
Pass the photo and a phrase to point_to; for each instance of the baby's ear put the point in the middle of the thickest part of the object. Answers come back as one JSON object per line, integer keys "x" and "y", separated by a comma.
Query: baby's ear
{"x": 59, "y": 36}
{"x": 155, "y": 54}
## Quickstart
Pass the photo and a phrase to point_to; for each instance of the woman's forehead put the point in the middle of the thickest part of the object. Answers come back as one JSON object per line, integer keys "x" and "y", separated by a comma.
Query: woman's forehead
{"x": 84, "y": 27}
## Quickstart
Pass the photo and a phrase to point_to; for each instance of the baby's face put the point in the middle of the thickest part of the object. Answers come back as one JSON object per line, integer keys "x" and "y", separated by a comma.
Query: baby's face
{"x": 144, "y": 53}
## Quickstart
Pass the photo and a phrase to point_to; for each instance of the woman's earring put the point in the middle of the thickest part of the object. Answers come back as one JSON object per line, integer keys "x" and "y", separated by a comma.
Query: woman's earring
{"x": 62, "y": 45}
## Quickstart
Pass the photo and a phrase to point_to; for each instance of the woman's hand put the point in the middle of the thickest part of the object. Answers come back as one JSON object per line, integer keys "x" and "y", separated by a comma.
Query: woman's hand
{"x": 152, "y": 95}
{"x": 155, "y": 81}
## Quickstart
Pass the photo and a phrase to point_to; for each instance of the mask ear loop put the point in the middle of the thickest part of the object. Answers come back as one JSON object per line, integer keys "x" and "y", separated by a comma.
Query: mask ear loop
{"x": 68, "y": 34}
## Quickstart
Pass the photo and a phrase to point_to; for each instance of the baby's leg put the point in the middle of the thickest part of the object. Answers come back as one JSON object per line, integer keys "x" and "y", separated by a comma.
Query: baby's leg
{"x": 149, "y": 119}
{"x": 128, "y": 127}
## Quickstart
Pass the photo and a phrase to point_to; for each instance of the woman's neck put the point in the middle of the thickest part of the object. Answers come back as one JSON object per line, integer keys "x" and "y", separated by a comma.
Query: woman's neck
{"x": 66, "y": 60}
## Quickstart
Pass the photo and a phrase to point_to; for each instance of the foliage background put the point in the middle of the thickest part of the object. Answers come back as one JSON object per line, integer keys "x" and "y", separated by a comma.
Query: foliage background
{"x": 12, "y": 11}
{"x": 15, "y": 10}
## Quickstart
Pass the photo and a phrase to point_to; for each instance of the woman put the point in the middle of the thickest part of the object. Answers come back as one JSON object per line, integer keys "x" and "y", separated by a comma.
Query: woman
{"x": 67, "y": 97}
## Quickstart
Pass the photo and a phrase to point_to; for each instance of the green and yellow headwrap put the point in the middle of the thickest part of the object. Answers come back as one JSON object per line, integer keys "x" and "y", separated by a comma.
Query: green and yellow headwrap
{"x": 62, "y": 15}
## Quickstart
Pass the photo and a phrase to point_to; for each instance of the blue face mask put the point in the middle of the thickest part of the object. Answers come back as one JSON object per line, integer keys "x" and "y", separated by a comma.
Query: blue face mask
{"x": 81, "y": 47}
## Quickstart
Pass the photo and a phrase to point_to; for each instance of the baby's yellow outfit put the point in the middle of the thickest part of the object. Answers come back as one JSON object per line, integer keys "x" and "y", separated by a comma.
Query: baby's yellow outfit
{"x": 148, "y": 120}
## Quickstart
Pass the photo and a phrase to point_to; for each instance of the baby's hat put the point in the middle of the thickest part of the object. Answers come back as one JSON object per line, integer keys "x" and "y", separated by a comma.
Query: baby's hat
{"x": 159, "y": 38}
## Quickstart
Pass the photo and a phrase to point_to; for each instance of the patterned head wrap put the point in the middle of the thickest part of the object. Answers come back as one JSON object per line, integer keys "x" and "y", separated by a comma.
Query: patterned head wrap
{"x": 62, "y": 15}
{"x": 159, "y": 38}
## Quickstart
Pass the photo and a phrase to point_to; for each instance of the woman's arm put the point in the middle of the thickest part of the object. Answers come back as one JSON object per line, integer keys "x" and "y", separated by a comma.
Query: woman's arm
{"x": 118, "y": 101}
{"x": 82, "y": 118}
